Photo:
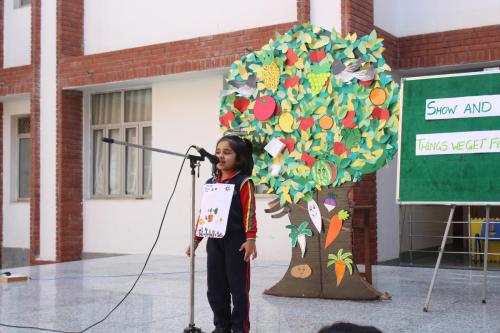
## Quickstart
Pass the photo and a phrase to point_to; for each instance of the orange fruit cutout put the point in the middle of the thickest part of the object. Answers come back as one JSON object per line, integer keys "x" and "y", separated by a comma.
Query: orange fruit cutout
{"x": 326, "y": 122}
{"x": 377, "y": 96}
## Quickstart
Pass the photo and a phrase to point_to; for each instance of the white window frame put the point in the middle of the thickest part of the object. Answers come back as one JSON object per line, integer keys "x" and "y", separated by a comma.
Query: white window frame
{"x": 122, "y": 126}
{"x": 16, "y": 142}
{"x": 20, "y": 4}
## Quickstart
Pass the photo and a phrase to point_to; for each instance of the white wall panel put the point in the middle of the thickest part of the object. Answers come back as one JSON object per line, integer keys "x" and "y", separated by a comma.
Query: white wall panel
{"x": 17, "y": 35}
{"x": 327, "y": 14}
{"x": 185, "y": 112}
{"x": 48, "y": 131}
{"x": 120, "y": 24}
{"x": 406, "y": 18}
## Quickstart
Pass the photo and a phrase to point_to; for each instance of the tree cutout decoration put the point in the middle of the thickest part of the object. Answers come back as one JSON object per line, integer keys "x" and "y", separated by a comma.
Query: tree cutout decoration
{"x": 333, "y": 105}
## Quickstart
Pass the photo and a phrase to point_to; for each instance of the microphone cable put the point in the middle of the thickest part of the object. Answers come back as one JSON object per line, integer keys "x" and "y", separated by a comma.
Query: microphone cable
{"x": 138, "y": 277}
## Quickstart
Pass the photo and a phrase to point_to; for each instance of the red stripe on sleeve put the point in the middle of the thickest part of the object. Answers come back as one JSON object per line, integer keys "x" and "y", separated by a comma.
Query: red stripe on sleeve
{"x": 247, "y": 196}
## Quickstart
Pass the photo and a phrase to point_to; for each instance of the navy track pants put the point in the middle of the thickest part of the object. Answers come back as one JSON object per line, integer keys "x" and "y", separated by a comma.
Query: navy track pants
{"x": 228, "y": 277}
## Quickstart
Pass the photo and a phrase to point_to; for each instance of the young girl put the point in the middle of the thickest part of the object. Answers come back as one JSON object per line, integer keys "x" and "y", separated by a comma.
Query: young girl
{"x": 228, "y": 258}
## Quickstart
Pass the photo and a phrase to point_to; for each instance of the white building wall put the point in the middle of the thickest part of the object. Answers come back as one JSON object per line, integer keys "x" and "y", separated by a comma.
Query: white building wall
{"x": 406, "y": 18}
{"x": 17, "y": 35}
{"x": 327, "y": 14}
{"x": 119, "y": 24}
{"x": 185, "y": 112}
{"x": 48, "y": 131}
{"x": 16, "y": 214}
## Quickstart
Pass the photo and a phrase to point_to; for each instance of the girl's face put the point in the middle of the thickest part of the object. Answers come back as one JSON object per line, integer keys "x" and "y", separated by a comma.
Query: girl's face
{"x": 226, "y": 155}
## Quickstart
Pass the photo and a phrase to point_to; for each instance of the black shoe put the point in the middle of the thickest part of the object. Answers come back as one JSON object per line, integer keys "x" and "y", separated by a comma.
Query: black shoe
{"x": 236, "y": 331}
{"x": 221, "y": 330}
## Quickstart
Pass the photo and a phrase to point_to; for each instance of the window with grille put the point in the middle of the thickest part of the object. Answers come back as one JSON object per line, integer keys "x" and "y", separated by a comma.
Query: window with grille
{"x": 119, "y": 171}
{"x": 23, "y": 144}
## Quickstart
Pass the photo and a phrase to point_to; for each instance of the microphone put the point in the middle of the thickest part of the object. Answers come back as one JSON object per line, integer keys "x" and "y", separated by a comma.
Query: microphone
{"x": 212, "y": 158}
{"x": 108, "y": 140}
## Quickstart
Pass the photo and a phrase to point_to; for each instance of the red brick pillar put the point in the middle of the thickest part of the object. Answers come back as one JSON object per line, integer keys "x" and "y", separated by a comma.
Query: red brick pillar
{"x": 1, "y": 33}
{"x": 69, "y": 163}
{"x": 1, "y": 179}
{"x": 357, "y": 16}
{"x": 365, "y": 193}
{"x": 391, "y": 44}
{"x": 303, "y": 11}
{"x": 69, "y": 169}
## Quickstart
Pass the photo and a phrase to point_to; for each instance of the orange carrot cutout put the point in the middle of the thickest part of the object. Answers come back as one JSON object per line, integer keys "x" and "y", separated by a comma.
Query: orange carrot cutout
{"x": 341, "y": 261}
{"x": 335, "y": 226}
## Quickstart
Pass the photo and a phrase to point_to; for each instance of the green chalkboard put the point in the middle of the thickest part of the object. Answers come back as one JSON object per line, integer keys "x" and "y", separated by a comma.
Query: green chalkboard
{"x": 454, "y": 177}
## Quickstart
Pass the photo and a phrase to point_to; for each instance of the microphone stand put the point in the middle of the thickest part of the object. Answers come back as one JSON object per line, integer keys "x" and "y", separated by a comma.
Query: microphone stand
{"x": 194, "y": 162}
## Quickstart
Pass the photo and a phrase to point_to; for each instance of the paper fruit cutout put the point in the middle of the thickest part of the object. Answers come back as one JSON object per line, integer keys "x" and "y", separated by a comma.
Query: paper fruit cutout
{"x": 377, "y": 96}
{"x": 298, "y": 235}
{"x": 318, "y": 76}
{"x": 339, "y": 149}
{"x": 335, "y": 226}
{"x": 348, "y": 121}
{"x": 226, "y": 119}
{"x": 292, "y": 82}
{"x": 307, "y": 159}
{"x": 341, "y": 261}
{"x": 365, "y": 83}
{"x": 306, "y": 123}
{"x": 326, "y": 122}
{"x": 323, "y": 172}
{"x": 264, "y": 107}
{"x": 330, "y": 202}
{"x": 317, "y": 56}
{"x": 301, "y": 271}
{"x": 324, "y": 92}
{"x": 314, "y": 214}
{"x": 241, "y": 104}
{"x": 291, "y": 58}
{"x": 270, "y": 72}
{"x": 285, "y": 122}
{"x": 381, "y": 114}
{"x": 290, "y": 144}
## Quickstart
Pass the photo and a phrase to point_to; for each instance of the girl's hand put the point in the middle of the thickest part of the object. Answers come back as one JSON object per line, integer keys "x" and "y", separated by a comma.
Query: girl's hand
{"x": 188, "y": 250}
{"x": 250, "y": 250}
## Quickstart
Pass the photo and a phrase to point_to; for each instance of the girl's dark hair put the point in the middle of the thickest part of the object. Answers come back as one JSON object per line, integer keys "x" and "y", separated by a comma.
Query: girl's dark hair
{"x": 348, "y": 328}
{"x": 243, "y": 149}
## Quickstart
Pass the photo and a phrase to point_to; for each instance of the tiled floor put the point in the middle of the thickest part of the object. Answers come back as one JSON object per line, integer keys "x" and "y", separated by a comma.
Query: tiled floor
{"x": 72, "y": 296}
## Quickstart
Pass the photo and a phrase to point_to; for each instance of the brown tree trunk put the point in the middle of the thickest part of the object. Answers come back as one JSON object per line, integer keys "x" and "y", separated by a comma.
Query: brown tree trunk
{"x": 311, "y": 277}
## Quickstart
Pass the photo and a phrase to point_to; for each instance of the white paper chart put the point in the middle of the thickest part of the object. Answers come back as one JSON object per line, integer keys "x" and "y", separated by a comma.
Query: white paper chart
{"x": 214, "y": 211}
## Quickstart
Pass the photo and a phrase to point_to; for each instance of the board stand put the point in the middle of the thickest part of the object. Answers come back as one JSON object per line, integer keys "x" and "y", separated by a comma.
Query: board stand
{"x": 440, "y": 256}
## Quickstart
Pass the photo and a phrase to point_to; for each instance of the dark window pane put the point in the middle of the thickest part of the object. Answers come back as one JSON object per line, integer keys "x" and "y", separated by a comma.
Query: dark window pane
{"x": 24, "y": 168}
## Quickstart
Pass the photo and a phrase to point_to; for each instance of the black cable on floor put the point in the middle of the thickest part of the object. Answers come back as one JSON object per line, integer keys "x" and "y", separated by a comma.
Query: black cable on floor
{"x": 138, "y": 277}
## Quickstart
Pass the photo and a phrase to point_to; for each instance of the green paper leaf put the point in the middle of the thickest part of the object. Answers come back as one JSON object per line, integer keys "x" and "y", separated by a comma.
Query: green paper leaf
{"x": 345, "y": 162}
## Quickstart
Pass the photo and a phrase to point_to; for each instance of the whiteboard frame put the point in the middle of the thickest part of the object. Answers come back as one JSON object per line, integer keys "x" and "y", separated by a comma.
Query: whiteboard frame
{"x": 437, "y": 203}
